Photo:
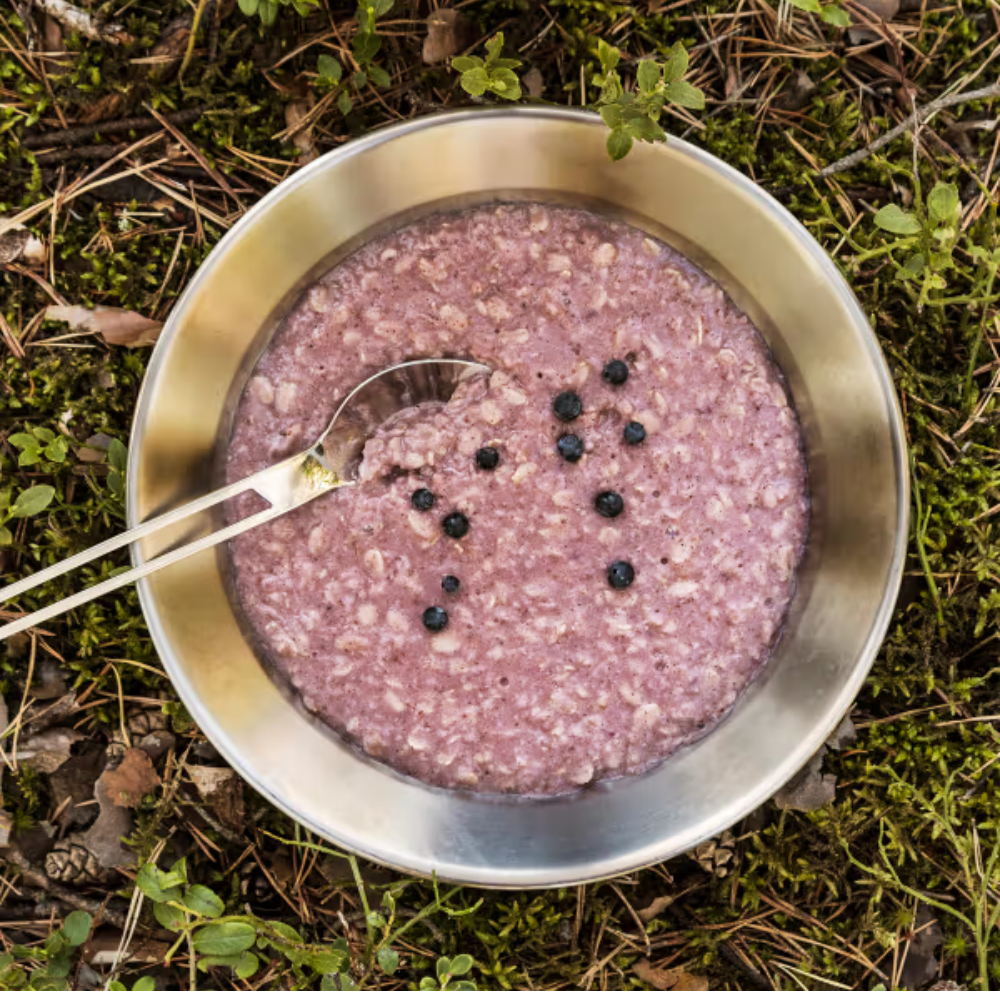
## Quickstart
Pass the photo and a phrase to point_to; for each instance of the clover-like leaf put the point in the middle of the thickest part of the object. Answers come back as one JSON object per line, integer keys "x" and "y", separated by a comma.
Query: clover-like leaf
{"x": 943, "y": 203}
{"x": 893, "y": 219}
{"x": 329, "y": 69}
{"x": 475, "y": 81}
{"x": 504, "y": 83}
{"x": 388, "y": 960}
{"x": 461, "y": 964}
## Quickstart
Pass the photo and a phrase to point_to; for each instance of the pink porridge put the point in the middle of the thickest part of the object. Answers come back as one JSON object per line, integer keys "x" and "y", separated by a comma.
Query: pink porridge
{"x": 516, "y": 598}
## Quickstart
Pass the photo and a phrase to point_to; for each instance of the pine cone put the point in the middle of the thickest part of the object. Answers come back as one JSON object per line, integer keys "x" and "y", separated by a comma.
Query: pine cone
{"x": 72, "y": 863}
{"x": 714, "y": 855}
{"x": 144, "y": 721}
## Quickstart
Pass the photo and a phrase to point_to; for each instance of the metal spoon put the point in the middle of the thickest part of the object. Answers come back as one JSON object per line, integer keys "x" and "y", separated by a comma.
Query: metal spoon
{"x": 329, "y": 464}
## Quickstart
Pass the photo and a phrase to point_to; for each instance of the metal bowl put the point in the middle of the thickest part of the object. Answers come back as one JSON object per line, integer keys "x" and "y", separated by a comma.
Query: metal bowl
{"x": 818, "y": 333}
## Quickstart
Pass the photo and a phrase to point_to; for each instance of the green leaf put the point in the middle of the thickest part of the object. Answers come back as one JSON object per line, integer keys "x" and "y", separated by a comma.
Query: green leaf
{"x": 249, "y": 7}
{"x": 836, "y": 16}
{"x": 893, "y": 219}
{"x": 645, "y": 129}
{"x": 475, "y": 81}
{"x": 682, "y": 93}
{"x": 428, "y": 984}
{"x": 344, "y": 103}
{"x": 329, "y": 69}
{"x": 359, "y": 79}
{"x": 608, "y": 55}
{"x": 117, "y": 455}
{"x": 58, "y": 966}
{"x": 376, "y": 920}
{"x": 443, "y": 967}
{"x": 326, "y": 962}
{"x": 176, "y": 876}
{"x": 504, "y": 83}
{"x": 169, "y": 916}
{"x": 382, "y": 7}
{"x": 619, "y": 143}
{"x": 30, "y": 455}
{"x": 247, "y": 966}
{"x": 117, "y": 987}
{"x": 283, "y": 934}
{"x": 22, "y": 440}
{"x": 647, "y": 76}
{"x": 5, "y": 536}
{"x": 268, "y": 11}
{"x": 494, "y": 48}
{"x": 56, "y": 451}
{"x": 146, "y": 983}
{"x": 612, "y": 115}
{"x": 76, "y": 927}
{"x": 32, "y": 501}
{"x": 810, "y": 6}
{"x": 505, "y": 63}
{"x": 43, "y": 434}
{"x": 676, "y": 63}
{"x": 462, "y": 987}
{"x": 303, "y": 7}
{"x": 202, "y": 900}
{"x": 943, "y": 203}
{"x": 365, "y": 47}
{"x": 115, "y": 483}
{"x": 379, "y": 77}
{"x": 462, "y": 64}
{"x": 228, "y": 938}
{"x": 4, "y": 501}
{"x": 388, "y": 960}
{"x": 461, "y": 964}
{"x": 914, "y": 266}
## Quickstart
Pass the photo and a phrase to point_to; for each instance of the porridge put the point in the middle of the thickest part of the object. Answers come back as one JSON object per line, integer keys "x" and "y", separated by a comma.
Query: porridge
{"x": 578, "y": 563}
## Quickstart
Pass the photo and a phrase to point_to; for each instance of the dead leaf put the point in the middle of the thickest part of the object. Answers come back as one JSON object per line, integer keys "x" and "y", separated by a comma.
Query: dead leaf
{"x": 19, "y": 244}
{"x": 884, "y": 9}
{"x": 94, "y": 449}
{"x": 796, "y": 93}
{"x": 659, "y": 979}
{"x": 48, "y": 751}
{"x": 654, "y": 909}
{"x": 301, "y": 133}
{"x": 920, "y": 965}
{"x": 133, "y": 778}
{"x": 221, "y": 788}
{"x": 118, "y": 327}
{"x": 75, "y": 781}
{"x": 810, "y": 789}
{"x": 533, "y": 82}
{"x": 170, "y": 49}
{"x": 49, "y": 682}
{"x": 881, "y": 10}
{"x": 688, "y": 983}
{"x": 84, "y": 23}
{"x": 103, "y": 109}
{"x": 104, "y": 839}
{"x": 155, "y": 745}
{"x": 52, "y": 36}
{"x": 448, "y": 33}
{"x": 51, "y": 715}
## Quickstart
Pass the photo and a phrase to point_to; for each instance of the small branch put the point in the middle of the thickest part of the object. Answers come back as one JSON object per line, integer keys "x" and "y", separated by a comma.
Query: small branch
{"x": 919, "y": 117}
{"x": 71, "y": 136}
{"x": 84, "y": 23}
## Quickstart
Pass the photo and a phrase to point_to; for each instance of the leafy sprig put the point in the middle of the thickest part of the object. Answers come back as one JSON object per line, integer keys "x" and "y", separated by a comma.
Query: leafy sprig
{"x": 493, "y": 73}
{"x": 52, "y": 959}
{"x": 365, "y": 46}
{"x": 267, "y": 10}
{"x": 831, "y": 13}
{"x": 28, "y": 503}
{"x": 446, "y": 970}
{"x": 38, "y": 445}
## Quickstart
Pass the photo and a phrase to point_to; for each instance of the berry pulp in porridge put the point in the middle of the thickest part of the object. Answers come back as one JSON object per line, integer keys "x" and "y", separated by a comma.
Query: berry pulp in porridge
{"x": 575, "y": 566}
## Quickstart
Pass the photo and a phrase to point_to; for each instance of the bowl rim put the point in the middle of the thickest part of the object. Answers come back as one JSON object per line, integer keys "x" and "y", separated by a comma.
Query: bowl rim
{"x": 727, "y": 814}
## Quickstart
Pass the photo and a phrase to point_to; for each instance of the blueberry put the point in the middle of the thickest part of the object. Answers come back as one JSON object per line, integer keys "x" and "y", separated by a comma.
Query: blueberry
{"x": 450, "y": 584}
{"x": 634, "y": 432}
{"x": 568, "y": 406}
{"x": 616, "y": 372}
{"x": 620, "y": 574}
{"x": 609, "y": 504}
{"x": 487, "y": 458}
{"x": 570, "y": 447}
{"x": 435, "y": 619}
{"x": 456, "y": 525}
{"x": 423, "y": 499}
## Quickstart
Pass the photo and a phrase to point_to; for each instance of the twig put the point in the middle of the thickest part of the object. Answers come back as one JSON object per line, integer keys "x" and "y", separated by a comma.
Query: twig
{"x": 102, "y": 151}
{"x": 84, "y": 23}
{"x": 189, "y": 54}
{"x": 919, "y": 117}
{"x": 71, "y": 136}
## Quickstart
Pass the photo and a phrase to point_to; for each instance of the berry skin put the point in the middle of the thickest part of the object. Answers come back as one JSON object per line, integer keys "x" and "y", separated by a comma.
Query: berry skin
{"x": 615, "y": 372}
{"x": 435, "y": 619}
{"x": 634, "y": 432}
{"x": 609, "y": 504}
{"x": 620, "y": 574}
{"x": 487, "y": 458}
{"x": 456, "y": 525}
{"x": 570, "y": 447}
{"x": 567, "y": 406}
{"x": 423, "y": 499}
{"x": 450, "y": 584}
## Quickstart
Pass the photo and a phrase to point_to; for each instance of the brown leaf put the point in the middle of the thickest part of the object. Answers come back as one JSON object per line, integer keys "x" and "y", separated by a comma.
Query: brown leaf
{"x": 296, "y": 113}
{"x": 533, "y": 82}
{"x": 796, "y": 93}
{"x": 654, "y": 909}
{"x": 104, "y": 838}
{"x": 170, "y": 49}
{"x": 118, "y": 327}
{"x": 810, "y": 789}
{"x": 884, "y": 9}
{"x": 49, "y": 682}
{"x": 52, "y": 36}
{"x": 18, "y": 244}
{"x": 222, "y": 789}
{"x": 687, "y": 982}
{"x": 103, "y": 109}
{"x": 75, "y": 781}
{"x": 94, "y": 449}
{"x": 131, "y": 780}
{"x": 448, "y": 33}
{"x": 48, "y": 751}
{"x": 659, "y": 979}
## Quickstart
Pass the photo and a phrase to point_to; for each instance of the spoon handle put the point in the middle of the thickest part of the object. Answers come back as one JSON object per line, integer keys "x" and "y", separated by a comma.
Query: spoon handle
{"x": 285, "y": 486}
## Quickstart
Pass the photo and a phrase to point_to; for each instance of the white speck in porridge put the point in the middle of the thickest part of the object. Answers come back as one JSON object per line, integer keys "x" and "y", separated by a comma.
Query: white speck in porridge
{"x": 575, "y": 646}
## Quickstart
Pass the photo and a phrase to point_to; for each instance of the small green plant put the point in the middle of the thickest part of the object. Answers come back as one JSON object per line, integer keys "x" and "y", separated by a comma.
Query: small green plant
{"x": 629, "y": 114}
{"x": 494, "y": 73}
{"x": 46, "y": 967}
{"x": 267, "y": 10}
{"x": 636, "y": 115}
{"x": 29, "y": 502}
{"x": 117, "y": 462}
{"x": 140, "y": 985}
{"x": 365, "y": 46}
{"x": 39, "y": 444}
{"x": 832, "y": 13}
{"x": 196, "y": 914}
{"x": 447, "y": 969}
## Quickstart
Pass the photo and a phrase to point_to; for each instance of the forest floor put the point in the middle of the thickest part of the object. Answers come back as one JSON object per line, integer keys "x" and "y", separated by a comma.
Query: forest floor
{"x": 133, "y": 136}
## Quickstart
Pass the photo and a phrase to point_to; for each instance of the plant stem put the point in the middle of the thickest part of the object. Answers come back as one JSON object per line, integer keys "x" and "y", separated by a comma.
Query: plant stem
{"x": 921, "y": 551}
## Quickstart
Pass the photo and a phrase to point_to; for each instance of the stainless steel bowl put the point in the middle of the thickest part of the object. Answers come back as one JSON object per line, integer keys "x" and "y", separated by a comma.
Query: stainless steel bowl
{"x": 819, "y": 335}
